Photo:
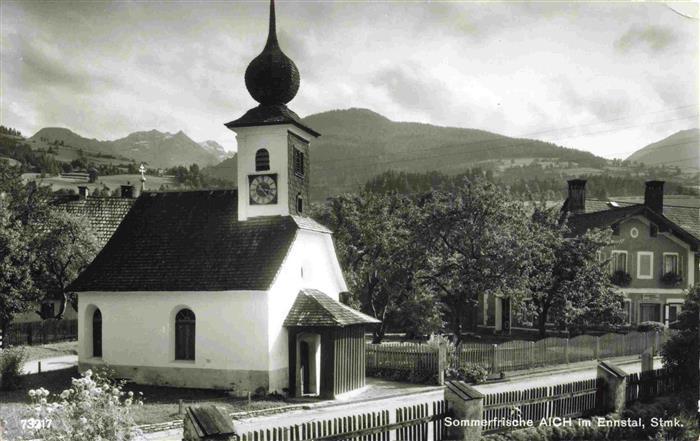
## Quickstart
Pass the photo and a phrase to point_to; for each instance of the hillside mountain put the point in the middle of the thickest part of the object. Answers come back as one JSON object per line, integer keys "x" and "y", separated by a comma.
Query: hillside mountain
{"x": 214, "y": 148}
{"x": 226, "y": 170}
{"x": 682, "y": 149}
{"x": 157, "y": 149}
{"x": 358, "y": 144}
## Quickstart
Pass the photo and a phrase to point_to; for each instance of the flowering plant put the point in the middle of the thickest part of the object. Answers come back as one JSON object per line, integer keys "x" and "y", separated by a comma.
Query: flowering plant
{"x": 94, "y": 408}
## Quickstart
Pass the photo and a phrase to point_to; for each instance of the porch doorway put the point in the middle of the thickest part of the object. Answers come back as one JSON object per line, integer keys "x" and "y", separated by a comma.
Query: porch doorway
{"x": 308, "y": 364}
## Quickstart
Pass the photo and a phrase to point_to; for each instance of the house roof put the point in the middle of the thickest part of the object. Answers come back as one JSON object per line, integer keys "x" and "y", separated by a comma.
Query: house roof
{"x": 314, "y": 308}
{"x": 266, "y": 115}
{"x": 192, "y": 241}
{"x": 103, "y": 213}
{"x": 683, "y": 221}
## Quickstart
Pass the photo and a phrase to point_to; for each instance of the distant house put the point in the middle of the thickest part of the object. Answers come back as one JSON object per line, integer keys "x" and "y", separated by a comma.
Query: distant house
{"x": 104, "y": 214}
{"x": 654, "y": 261}
{"x": 656, "y": 255}
{"x": 229, "y": 289}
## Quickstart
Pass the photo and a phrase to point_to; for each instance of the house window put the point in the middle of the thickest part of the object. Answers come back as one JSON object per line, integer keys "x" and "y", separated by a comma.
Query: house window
{"x": 645, "y": 264}
{"x": 671, "y": 263}
{"x": 184, "y": 335}
{"x": 653, "y": 230}
{"x": 97, "y": 333}
{"x": 262, "y": 160}
{"x": 627, "y": 311}
{"x": 649, "y": 312}
{"x": 674, "y": 311}
{"x": 300, "y": 204}
{"x": 618, "y": 261}
{"x": 634, "y": 232}
{"x": 298, "y": 163}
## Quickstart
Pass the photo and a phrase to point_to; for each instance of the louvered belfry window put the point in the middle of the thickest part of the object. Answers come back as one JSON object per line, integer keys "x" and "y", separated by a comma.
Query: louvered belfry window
{"x": 262, "y": 160}
{"x": 298, "y": 163}
{"x": 97, "y": 333}
{"x": 184, "y": 335}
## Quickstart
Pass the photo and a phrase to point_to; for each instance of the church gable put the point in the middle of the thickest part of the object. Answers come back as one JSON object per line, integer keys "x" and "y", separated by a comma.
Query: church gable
{"x": 190, "y": 241}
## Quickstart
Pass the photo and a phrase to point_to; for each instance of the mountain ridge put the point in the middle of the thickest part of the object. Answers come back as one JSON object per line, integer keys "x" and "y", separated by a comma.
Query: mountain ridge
{"x": 680, "y": 149}
{"x": 153, "y": 147}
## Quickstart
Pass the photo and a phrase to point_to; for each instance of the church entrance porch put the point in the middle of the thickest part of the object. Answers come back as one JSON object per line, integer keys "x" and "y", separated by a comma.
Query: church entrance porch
{"x": 326, "y": 346}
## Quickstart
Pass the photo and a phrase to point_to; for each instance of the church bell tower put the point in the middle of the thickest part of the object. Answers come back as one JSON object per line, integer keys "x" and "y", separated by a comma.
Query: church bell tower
{"x": 273, "y": 143}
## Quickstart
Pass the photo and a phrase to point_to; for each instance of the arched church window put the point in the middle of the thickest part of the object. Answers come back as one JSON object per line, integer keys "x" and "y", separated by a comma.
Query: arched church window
{"x": 262, "y": 160}
{"x": 300, "y": 203}
{"x": 184, "y": 335}
{"x": 97, "y": 333}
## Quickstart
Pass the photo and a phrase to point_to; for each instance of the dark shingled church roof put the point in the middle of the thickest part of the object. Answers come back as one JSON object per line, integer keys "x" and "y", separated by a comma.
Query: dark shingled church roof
{"x": 270, "y": 115}
{"x": 103, "y": 213}
{"x": 192, "y": 241}
{"x": 314, "y": 308}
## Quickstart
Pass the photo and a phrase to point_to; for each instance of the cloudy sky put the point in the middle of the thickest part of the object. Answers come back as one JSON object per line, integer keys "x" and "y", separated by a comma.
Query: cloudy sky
{"x": 603, "y": 77}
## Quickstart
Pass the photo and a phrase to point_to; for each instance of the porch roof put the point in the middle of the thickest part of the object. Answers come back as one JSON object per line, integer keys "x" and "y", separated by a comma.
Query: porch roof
{"x": 314, "y": 308}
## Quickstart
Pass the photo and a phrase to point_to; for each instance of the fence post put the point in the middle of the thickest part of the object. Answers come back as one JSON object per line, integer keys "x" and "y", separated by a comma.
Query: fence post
{"x": 614, "y": 387}
{"x": 465, "y": 403}
{"x": 657, "y": 342}
{"x": 207, "y": 422}
{"x": 494, "y": 362}
{"x": 648, "y": 360}
{"x": 597, "y": 347}
{"x": 442, "y": 362}
{"x": 566, "y": 351}
{"x": 532, "y": 355}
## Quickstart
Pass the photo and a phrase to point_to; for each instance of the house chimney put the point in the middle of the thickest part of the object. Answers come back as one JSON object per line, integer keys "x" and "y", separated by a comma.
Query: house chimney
{"x": 577, "y": 196}
{"x": 83, "y": 191}
{"x": 654, "y": 196}
{"x": 127, "y": 191}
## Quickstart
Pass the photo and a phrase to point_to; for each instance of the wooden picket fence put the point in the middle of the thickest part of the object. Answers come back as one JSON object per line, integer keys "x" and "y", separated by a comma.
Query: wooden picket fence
{"x": 419, "y": 422}
{"x": 512, "y": 355}
{"x": 563, "y": 400}
{"x": 650, "y": 384}
{"x": 402, "y": 357}
{"x": 41, "y": 332}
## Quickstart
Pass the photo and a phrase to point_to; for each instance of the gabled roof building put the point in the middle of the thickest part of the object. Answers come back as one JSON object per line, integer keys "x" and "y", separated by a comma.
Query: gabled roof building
{"x": 229, "y": 289}
{"x": 656, "y": 252}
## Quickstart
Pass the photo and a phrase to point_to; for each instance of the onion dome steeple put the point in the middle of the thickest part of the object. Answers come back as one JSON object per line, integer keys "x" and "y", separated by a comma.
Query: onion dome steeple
{"x": 272, "y": 78}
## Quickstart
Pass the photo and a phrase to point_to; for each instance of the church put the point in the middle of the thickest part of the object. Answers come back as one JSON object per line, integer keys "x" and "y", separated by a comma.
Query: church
{"x": 229, "y": 289}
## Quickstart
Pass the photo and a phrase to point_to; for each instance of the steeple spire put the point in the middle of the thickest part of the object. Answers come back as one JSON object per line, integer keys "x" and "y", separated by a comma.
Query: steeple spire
{"x": 272, "y": 31}
{"x": 272, "y": 78}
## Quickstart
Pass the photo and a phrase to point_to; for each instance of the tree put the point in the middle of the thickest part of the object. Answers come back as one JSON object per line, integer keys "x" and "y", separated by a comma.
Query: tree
{"x": 474, "y": 242}
{"x": 568, "y": 284}
{"x": 680, "y": 353}
{"x": 63, "y": 251}
{"x": 17, "y": 290}
{"x": 375, "y": 249}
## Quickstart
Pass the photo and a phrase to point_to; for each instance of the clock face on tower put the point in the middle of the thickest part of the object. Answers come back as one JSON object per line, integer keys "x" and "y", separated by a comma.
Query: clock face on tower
{"x": 263, "y": 189}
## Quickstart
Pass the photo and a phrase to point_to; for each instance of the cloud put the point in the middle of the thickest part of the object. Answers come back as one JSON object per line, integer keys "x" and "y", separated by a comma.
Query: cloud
{"x": 648, "y": 37}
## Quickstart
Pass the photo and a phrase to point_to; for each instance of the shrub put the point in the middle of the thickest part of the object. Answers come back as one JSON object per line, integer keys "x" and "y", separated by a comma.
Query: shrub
{"x": 94, "y": 408}
{"x": 672, "y": 279}
{"x": 412, "y": 376}
{"x": 651, "y": 327}
{"x": 11, "y": 363}
{"x": 473, "y": 373}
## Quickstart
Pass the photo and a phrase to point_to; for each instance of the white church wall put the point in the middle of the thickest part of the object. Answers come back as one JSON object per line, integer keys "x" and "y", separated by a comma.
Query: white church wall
{"x": 313, "y": 255}
{"x": 138, "y": 337}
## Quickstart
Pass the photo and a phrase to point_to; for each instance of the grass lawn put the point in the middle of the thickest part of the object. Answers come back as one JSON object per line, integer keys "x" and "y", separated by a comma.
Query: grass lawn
{"x": 51, "y": 350}
{"x": 160, "y": 404}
